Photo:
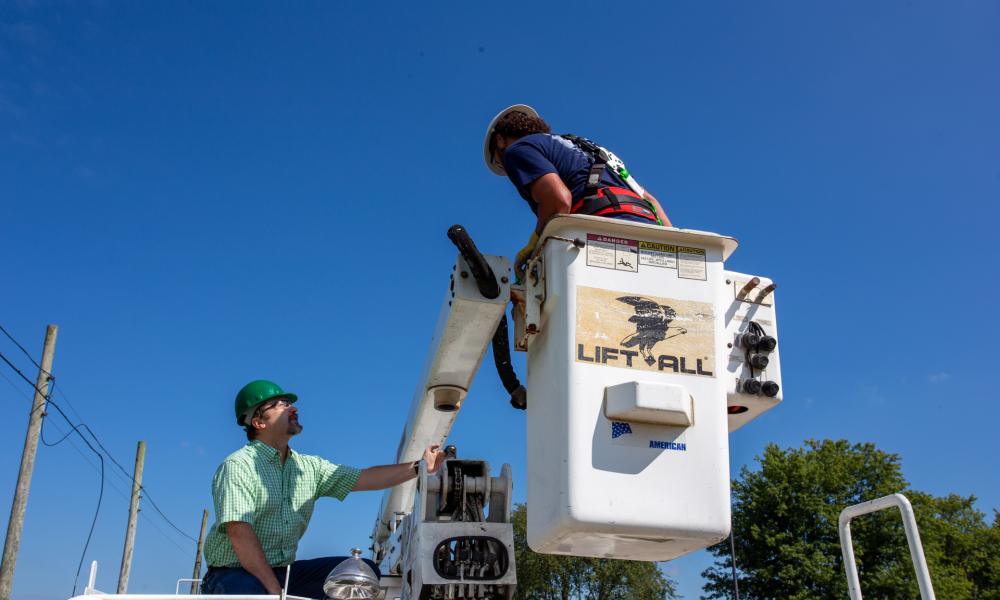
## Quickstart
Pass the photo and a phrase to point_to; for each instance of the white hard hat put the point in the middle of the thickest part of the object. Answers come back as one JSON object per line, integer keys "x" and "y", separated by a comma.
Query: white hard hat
{"x": 487, "y": 156}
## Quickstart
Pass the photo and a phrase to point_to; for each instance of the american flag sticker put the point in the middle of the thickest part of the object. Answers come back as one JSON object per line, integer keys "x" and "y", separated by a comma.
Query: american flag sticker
{"x": 619, "y": 429}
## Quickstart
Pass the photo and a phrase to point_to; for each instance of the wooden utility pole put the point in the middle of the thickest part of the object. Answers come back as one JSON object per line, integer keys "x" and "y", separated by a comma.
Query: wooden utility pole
{"x": 20, "y": 503}
{"x": 133, "y": 512}
{"x": 197, "y": 556}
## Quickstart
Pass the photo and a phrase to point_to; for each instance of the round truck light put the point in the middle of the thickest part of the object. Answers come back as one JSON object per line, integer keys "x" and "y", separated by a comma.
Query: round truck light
{"x": 748, "y": 340}
{"x": 751, "y": 386}
{"x": 758, "y": 361}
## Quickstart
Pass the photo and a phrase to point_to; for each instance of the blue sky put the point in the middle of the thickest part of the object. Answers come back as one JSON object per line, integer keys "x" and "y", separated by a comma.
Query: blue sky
{"x": 203, "y": 194}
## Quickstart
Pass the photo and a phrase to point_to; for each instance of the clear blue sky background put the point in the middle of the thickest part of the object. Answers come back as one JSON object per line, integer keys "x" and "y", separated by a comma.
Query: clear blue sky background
{"x": 200, "y": 194}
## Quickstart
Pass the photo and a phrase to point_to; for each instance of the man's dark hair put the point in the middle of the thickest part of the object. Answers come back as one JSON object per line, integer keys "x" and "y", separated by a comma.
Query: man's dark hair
{"x": 517, "y": 124}
{"x": 251, "y": 431}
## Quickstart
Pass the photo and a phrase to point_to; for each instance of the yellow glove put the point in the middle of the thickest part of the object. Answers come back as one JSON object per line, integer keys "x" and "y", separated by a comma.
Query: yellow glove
{"x": 521, "y": 260}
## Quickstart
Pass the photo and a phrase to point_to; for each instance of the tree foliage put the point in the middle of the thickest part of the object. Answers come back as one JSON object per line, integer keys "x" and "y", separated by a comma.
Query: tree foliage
{"x": 787, "y": 542}
{"x": 551, "y": 577}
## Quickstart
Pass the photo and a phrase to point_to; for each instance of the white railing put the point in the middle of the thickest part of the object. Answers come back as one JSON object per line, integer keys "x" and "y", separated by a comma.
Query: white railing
{"x": 177, "y": 590}
{"x": 92, "y": 593}
{"x": 912, "y": 539}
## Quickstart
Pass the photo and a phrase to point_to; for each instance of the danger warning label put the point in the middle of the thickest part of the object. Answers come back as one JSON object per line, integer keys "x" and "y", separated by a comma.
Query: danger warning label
{"x": 610, "y": 252}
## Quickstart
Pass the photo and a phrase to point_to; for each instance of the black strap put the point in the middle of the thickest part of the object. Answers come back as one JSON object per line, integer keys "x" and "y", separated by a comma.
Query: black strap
{"x": 594, "y": 178}
{"x": 612, "y": 197}
{"x": 597, "y": 164}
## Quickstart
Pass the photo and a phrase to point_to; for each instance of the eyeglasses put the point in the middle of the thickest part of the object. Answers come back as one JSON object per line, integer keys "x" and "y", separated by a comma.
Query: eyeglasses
{"x": 280, "y": 403}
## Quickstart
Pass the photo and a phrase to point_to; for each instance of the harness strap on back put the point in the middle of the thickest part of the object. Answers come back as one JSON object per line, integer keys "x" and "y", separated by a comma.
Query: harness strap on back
{"x": 599, "y": 200}
{"x": 594, "y": 178}
{"x": 597, "y": 163}
{"x": 611, "y": 201}
{"x": 612, "y": 197}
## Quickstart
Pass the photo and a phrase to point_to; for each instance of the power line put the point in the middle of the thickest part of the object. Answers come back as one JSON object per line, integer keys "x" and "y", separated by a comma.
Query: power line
{"x": 13, "y": 385}
{"x": 100, "y": 494}
{"x": 93, "y": 465}
{"x": 90, "y": 534}
{"x": 122, "y": 493}
{"x": 34, "y": 362}
{"x": 84, "y": 426}
{"x": 26, "y": 353}
{"x": 98, "y": 442}
{"x": 149, "y": 496}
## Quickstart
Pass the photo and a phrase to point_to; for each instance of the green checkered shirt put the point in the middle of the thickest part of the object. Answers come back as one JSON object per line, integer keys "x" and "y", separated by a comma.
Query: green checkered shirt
{"x": 252, "y": 486}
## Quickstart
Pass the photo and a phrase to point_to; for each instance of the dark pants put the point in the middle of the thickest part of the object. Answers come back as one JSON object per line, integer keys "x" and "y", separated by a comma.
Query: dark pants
{"x": 306, "y": 578}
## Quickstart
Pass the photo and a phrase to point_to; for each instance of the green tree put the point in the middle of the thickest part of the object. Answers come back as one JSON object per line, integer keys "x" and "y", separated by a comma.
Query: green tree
{"x": 551, "y": 577}
{"x": 962, "y": 551}
{"x": 787, "y": 543}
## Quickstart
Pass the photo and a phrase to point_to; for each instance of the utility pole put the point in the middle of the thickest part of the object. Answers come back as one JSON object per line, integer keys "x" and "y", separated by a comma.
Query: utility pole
{"x": 197, "y": 556}
{"x": 20, "y": 503}
{"x": 133, "y": 512}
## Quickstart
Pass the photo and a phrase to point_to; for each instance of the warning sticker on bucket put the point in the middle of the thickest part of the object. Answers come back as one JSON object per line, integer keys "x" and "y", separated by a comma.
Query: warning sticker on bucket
{"x": 622, "y": 254}
{"x": 609, "y": 252}
{"x": 691, "y": 263}
{"x": 658, "y": 255}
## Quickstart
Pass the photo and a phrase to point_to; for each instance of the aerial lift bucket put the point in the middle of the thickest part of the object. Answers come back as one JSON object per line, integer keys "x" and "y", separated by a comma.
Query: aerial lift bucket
{"x": 640, "y": 349}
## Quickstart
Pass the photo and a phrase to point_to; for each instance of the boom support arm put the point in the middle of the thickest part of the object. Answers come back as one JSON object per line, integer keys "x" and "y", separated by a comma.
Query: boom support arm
{"x": 465, "y": 327}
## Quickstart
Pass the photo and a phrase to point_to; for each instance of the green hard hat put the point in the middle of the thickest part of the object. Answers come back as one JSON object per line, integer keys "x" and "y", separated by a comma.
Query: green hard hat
{"x": 257, "y": 392}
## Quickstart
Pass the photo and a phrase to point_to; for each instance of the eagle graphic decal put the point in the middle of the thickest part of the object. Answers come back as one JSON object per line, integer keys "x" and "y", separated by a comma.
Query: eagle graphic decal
{"x": 652, "y": 325}
{"x": 625, "y": 330}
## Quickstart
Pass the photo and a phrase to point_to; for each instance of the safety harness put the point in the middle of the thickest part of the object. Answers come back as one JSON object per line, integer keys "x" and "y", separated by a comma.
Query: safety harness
{"x": 613, "y": 201}
{"x": 601, "y": 200}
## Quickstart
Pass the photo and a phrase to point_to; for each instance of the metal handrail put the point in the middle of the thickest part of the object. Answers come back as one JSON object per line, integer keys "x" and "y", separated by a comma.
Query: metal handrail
{"x": 177, "y": 590}
{"x": 912, "y": 539}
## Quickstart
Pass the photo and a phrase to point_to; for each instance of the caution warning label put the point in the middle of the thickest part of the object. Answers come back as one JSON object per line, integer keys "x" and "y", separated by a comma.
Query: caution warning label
{"x": 691, "y": 263}
{"x": 658, "y": 255}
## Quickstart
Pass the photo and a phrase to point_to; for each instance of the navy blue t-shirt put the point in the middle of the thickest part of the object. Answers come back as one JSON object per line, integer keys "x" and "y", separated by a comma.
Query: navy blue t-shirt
{"x": 539, "y": 154}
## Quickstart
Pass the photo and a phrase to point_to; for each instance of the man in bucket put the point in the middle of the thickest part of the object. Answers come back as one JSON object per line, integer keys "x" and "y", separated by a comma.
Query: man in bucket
{"x": 562, "y": 174}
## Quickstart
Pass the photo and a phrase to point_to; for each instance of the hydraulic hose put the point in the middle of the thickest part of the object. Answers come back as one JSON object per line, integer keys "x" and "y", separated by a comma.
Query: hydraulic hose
{"x": 481, "y": 271}
{"x": 486, "y": 281}
{"x": 501, "y": 356}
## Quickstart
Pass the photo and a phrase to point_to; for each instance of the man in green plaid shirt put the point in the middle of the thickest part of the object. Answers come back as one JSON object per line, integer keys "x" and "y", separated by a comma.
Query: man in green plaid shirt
{"x": 264, "y": 495}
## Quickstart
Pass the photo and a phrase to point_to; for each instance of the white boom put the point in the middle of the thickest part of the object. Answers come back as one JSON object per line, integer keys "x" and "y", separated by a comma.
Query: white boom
{"x": 464, "y": 329}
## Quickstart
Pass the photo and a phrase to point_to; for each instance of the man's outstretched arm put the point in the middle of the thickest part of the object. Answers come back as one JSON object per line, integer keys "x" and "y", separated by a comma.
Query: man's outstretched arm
{"x": 386, "y": 476}
{"x": 251, "y": 554}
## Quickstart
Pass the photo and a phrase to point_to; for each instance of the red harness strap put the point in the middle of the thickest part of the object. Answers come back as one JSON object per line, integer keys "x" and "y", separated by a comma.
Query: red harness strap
{"x": 627, "y": 208}
{"x": 613, "y": 201}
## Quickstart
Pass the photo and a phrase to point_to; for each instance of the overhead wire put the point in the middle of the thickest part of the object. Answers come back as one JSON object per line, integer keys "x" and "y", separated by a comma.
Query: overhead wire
{"x": 38, "y": 366}
{"x": 97, "y": 441}
{"x": 72, "y": 444}
{"x": 100, "y": 494}
{"x": 26, "y": 353}
{"x": 126, "y": 496}
{"x": 77, "y": 429}
{"x": 97, "y": 469}
{"x": 130, "y": 478}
